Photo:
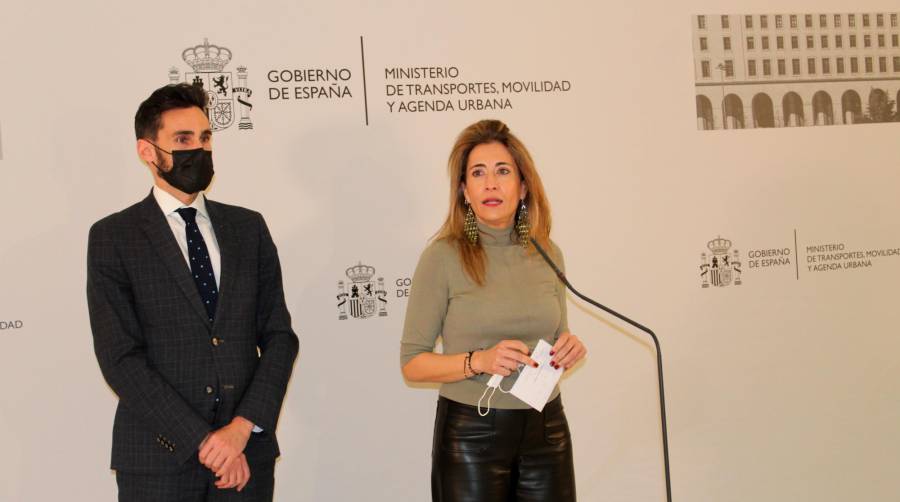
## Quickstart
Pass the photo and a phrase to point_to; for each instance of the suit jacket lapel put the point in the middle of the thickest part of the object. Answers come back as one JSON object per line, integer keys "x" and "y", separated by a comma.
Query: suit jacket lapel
{"x": 227, "y": 239}
{"x": 160, "y": 234}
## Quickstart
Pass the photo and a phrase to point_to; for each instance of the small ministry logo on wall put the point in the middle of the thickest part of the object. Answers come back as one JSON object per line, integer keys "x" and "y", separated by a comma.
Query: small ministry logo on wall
{"x": 208, "y": 63}
{"x": 720, "y": 268}
{"x": 360, "y": 297}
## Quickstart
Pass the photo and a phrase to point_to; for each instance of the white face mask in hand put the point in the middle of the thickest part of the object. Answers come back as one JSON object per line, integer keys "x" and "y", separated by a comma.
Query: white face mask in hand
{"x": 492, "y": 385}
{"x": 533, "y": 386}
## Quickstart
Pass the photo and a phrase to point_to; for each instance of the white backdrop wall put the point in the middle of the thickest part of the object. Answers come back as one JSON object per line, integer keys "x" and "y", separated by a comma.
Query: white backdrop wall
{"x": 782, "y": 388}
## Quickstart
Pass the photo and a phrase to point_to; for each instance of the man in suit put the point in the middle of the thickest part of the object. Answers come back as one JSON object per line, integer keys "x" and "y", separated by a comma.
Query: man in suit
{"x": 189, "y": 321}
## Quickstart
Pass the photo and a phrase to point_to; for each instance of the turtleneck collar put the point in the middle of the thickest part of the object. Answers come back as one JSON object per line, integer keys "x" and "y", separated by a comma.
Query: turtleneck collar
{"x": 497, "y": 236}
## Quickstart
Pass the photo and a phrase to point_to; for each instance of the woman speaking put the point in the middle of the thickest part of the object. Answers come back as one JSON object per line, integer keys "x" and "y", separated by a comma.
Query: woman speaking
{"x": 481, "y": 286}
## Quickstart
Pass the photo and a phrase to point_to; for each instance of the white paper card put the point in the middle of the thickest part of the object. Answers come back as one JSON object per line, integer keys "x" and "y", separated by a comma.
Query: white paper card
{"x": 535, "y": 385}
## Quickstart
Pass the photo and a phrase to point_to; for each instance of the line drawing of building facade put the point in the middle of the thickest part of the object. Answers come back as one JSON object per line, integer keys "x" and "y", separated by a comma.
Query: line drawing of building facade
{"x": 791, "y": 70}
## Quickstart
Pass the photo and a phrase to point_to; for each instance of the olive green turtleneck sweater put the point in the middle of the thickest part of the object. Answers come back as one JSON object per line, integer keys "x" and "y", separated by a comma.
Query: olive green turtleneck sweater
{"x": 521, "y": 299}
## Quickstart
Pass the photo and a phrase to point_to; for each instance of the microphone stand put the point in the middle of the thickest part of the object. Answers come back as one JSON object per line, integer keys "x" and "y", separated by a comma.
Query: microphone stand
{"x": 659, "y": 369}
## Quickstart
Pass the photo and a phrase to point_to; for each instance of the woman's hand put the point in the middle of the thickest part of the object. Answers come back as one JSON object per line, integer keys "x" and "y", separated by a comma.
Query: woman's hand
{"x": 567, "y": 351}
{"x": 502, "y": 359}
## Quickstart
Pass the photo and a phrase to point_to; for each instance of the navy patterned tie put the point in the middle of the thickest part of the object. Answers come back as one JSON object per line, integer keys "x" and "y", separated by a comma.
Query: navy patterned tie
{"x": 201, "y": 265}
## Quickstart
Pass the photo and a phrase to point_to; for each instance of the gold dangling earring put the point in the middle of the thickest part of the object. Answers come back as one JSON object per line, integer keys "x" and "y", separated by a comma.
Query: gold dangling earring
{"x": 470, "y": 228}
{"x": 523, "y": 226}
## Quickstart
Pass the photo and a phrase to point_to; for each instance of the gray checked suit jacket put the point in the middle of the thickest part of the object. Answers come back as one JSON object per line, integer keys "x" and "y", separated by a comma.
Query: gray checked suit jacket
{"x": 159, "y": 352}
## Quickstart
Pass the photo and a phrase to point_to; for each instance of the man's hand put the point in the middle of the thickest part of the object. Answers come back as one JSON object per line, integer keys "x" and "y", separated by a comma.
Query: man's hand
{"x": 222, "y": 447}
{"x": 236, "y": 476}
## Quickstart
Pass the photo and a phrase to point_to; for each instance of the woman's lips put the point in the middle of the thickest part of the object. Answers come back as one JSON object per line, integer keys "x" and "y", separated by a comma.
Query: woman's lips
{"x": 492, "y": 202}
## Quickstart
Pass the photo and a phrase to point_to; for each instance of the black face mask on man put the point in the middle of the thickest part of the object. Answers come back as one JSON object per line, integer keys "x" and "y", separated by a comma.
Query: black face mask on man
{"x": 192, "y": 170}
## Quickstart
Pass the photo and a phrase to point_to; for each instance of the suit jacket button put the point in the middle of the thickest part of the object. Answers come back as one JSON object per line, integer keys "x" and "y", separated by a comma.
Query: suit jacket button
{"x": 215, "y": 342}
{"x": 209, "y": 389}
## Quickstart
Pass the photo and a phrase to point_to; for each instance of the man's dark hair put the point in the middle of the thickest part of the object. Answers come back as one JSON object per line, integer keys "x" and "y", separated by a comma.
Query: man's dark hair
{"x": 148, "y": 118}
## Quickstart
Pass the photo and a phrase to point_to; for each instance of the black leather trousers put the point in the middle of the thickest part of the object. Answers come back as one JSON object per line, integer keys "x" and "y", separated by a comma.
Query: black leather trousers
{"x": 509, "y": 455}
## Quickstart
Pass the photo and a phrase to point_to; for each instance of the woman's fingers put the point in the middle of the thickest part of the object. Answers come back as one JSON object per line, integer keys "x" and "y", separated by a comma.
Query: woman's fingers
{"x": 517, "y": 351}
{"x": 563, "y": 352}
{"x": 569, "y": 353}
{"x": 560, "y": 341}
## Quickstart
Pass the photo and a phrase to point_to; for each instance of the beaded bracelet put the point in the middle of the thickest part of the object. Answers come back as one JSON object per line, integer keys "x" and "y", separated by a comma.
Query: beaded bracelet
{"x": 468, "y": 363}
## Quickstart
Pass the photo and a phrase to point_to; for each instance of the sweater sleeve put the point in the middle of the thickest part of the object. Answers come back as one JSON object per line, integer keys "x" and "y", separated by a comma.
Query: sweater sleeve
{"x": 427, "y": 306}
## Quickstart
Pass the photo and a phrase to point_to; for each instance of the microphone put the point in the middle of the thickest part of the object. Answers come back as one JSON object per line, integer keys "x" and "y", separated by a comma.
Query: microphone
{"x": 659, "y": 369}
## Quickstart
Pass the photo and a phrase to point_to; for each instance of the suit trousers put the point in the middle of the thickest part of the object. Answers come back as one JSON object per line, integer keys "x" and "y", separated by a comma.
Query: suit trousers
{"x": 508, "y": 455}
{"x": 195, "y": 484}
